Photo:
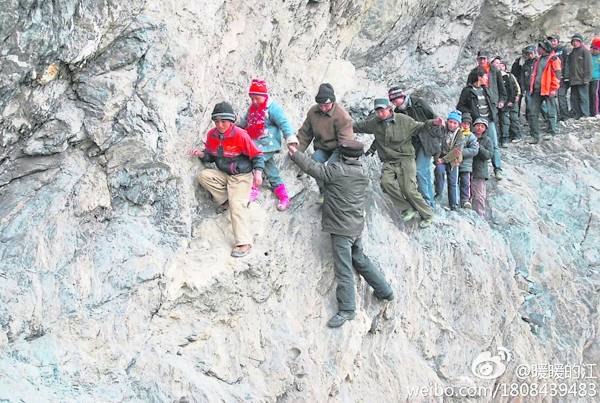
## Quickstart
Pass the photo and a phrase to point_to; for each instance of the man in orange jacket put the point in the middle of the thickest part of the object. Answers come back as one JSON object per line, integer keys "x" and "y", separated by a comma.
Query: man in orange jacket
{"x": 543, "y": 87}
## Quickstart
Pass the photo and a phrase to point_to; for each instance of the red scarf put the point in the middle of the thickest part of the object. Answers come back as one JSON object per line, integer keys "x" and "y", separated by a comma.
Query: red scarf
{"x": 255, "y": 122}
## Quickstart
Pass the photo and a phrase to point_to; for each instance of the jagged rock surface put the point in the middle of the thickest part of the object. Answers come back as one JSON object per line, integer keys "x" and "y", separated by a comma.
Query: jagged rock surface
{"x": 115, "y": 276}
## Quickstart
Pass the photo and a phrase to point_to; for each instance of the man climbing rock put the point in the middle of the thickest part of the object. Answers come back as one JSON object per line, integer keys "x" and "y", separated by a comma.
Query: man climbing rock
{"x": 239, "y": 165}
{"x": 426, "y": 145}
{"x": 393, "y": 143}
{"x": 345, "y": 186}
{"x": 326, "y": 125}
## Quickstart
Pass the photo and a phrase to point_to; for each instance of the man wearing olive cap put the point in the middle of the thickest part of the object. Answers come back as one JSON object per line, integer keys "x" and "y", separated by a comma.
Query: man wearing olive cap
{"x": 393, "y": 143}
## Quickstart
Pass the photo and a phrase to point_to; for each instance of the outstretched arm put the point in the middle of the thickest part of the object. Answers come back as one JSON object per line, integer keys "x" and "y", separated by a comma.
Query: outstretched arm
{"x": 313, "y": 168}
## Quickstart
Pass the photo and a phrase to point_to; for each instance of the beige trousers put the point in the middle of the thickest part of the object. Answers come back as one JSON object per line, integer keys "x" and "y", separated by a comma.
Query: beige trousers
{"x": 236, "y": 189}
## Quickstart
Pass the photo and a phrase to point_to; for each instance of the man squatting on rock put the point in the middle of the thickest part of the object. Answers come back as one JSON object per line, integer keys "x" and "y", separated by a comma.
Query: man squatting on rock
{"x": 239, "y": 166}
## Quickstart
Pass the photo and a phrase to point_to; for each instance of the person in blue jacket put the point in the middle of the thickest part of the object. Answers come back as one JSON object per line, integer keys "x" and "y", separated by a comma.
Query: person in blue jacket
{"x": 265, "y": 122}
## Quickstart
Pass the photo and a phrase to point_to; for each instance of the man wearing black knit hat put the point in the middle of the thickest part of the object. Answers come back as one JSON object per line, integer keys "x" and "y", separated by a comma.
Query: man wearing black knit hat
{"x": 326, "y": 125}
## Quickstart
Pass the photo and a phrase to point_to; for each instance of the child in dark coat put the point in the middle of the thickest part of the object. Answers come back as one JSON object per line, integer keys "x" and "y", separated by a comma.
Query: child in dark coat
{"x": 469, "y": 150}
{"x": 480, "y": 172}
{"x": 447, "y": 163}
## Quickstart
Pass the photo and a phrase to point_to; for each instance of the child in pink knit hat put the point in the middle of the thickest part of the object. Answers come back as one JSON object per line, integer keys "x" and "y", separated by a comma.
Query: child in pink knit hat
{"x": 266, "y": 122}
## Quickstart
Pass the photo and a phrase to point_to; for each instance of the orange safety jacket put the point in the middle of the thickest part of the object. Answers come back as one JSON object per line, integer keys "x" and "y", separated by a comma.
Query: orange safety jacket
{"x": 550, "y": 80}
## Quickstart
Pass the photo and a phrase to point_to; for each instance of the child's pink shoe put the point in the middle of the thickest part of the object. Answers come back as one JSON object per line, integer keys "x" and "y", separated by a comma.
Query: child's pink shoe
{"x": 284, "y": 200}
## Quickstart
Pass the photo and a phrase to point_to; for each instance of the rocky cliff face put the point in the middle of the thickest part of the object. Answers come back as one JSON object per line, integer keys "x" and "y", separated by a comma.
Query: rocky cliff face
{"x": 115, "y": 276}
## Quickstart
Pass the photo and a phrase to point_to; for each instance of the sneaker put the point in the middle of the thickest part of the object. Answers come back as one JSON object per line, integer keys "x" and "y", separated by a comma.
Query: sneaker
{"x": 547, "y": 137}
{"x": 467, "y": 205}
{"x": 534, "y": 141}
{"x": 340, "y": 318}
{"x": 516, "y": 140}
{"x": 499, "y": 175}
{"x": 503, "y": 145}
{"x": 426, "y": 222}
{"x": 408, "y": 215}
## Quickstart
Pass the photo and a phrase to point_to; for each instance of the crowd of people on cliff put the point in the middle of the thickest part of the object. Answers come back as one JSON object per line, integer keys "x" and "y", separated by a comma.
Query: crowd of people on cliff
{"x": 423, "y": 155}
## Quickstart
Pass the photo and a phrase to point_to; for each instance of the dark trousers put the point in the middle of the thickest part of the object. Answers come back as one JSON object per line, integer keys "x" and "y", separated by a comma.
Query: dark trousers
{"x": 348, "y": 254}
{"x": 580, "y": 100}
{"x": 535, "y": 106}
{"x": 563, "y": 105}
{"x": 510, "y": 125}
{"x": 464, "y": 183}
{"x": 594, "y": 97}
{"x": 446, "y": 173}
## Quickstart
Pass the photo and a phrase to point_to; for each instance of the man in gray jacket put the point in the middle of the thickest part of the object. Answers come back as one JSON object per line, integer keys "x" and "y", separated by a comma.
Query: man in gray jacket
{"x": 345, "y": 187}
{"x": 580, "y": 75}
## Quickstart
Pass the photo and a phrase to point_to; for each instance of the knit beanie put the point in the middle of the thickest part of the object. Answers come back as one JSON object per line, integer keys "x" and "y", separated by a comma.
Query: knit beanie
{"x": 466, "y": 117}
{"x": 351, "y": 148}
{"x": 223, "y": 111}
{"x": 546, "y": 45}
{"x": 481, "y": 120}
{"x": 258, "y": 87}
{"x": 596, "y": 43}
{"x": 395, "y": 92}
{"x": 325, "y": 94}
{"x": 455, "y": 115}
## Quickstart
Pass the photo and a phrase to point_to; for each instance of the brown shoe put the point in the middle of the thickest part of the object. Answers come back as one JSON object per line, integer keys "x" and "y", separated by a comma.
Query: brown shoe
{"x": 241, "y": 250}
